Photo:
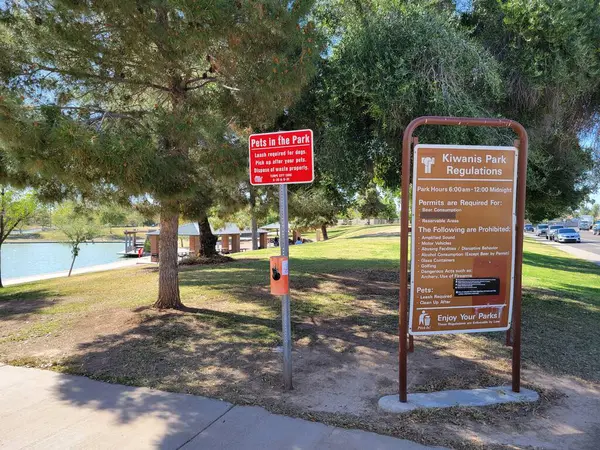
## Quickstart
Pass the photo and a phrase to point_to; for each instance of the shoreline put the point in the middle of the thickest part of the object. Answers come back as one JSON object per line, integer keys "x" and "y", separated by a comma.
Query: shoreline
{"x": 41, "y": 241}
{"x": 126, "y": 262}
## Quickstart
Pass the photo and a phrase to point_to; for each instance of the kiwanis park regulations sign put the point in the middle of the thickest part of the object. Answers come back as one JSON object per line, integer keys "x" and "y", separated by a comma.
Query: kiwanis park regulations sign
{"x": 463, "y": 231}
{"x": 284, "y": 157}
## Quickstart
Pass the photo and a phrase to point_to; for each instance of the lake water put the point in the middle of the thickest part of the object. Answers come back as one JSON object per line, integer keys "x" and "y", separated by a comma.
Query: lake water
{"x": 22, "y": 260}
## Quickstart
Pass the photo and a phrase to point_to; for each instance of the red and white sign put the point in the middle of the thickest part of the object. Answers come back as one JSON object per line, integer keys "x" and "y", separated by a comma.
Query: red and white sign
{"x": 283, "y": 157}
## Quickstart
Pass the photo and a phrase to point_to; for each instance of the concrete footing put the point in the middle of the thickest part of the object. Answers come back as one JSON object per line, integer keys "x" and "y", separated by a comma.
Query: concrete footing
{"x": 465, "y": 398}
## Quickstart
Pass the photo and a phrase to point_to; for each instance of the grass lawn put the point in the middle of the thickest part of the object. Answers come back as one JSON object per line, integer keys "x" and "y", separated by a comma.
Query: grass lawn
{"x": 332, "y": 232}
{"x": 344, "y": 306}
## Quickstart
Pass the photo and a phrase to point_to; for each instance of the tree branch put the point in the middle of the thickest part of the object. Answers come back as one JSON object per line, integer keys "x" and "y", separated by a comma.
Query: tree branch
{"x": 11, "y": 228}
{"x": 230, "y": 87}
{"x": 102, "y": 111}
{"x": 111, "y": 115}
{"x": 74, "y": 73}
{"x": 212, "y": 80}
{"x": 195, "y": 80}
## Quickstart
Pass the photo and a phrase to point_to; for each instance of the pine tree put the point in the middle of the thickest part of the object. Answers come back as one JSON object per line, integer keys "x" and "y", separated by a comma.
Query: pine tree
{"x": 140, "y": 98}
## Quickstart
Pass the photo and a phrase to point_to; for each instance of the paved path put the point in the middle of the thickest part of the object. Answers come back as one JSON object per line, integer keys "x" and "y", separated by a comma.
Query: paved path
{"x": 589, "y": 243}
{"x": 47, "y": 410}
{"x": 125, "y": 262}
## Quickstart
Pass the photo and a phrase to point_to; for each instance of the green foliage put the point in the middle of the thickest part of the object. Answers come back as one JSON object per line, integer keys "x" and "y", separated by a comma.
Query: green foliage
{"x": 584, "y": 209}
{"x": 42, "y": 216}
{"x": 558, "y": 178}
{"x": 314, "y": 207}
{"x": 595, "y": 211}
{"x": 111, "y": 215}
{"x": 390, "y": 211}
{"x": 15, "y": 208}
{"x": 370, "y": 205}
{"x": 548, "y": 50}
{"x": 391, "y": 61}
{"x": 392, "y": 64}
{"x": 89, "y": 85}
{"x": 77, "y": 223}
{"x": 135, "y": 218}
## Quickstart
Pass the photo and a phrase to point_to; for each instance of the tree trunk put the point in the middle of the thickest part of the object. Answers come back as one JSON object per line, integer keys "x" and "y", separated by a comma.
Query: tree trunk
{"x": 2, "y": 237}
{"x": 208, "y": 241}
{"x": 1, "y": 286}
{"x": 253, "y": 216}
{"x": 254, "y": 233}
{"x": 168, "y": 275}
{"x": 324, "y": 232}
{"x": 72, "y": 264}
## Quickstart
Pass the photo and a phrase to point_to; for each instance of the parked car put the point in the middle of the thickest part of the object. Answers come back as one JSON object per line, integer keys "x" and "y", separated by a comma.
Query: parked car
{"x": 596, "y": 227}
{"x": 541, "y": 229}
{"x": 567, "y": 235}
{"x": 529, "y": 228}
{"x": 552, "y": 229}
{"x": 584, "y": 225}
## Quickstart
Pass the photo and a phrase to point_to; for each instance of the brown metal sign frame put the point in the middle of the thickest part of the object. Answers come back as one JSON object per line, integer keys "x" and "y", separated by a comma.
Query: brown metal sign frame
{"x": 522, "y": 146}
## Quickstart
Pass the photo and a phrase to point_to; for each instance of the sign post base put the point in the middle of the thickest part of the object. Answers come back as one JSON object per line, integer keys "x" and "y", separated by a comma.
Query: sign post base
{"x": 449, "y": 399}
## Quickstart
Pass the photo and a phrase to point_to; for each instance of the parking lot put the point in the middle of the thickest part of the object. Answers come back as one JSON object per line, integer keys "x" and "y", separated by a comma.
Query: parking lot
{"x": 589, "y": 242}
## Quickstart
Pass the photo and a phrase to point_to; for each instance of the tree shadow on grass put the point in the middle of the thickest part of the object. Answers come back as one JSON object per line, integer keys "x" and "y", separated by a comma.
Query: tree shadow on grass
{"x": 552, "y": 320}
{"x": 18, "y": 303}
{"x": 230, "y": 356}
{"x": 560, "y": 334}
{"x": 560, "y": 263}
{"x": 581, "y": 294}
{"x": 197, "y": 350}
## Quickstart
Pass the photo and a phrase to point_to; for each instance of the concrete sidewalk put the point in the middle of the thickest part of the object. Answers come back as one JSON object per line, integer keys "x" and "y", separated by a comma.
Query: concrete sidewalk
{"x": 42, "y": 409}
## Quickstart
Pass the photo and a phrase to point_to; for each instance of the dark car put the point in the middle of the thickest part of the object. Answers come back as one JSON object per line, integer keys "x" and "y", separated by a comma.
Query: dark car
{"x": 529, "y": 228}
{"x": 567, "y": 235}
{"x": 552, "y": 229}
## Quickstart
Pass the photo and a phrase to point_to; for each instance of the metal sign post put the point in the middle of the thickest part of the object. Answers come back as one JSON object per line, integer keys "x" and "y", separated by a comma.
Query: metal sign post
{"x": 282, "y": 158}
{"x": 286, "y": 323}
{"x": 522, "y": 146}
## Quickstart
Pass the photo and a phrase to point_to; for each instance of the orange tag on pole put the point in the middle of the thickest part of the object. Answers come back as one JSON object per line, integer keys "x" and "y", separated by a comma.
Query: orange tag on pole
{"x": 279, "y": 275}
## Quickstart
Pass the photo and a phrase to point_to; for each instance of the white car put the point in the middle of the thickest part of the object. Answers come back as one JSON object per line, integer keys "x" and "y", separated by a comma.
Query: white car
{"x": 567, "y": 235}
{"x": 552, "y": 230}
